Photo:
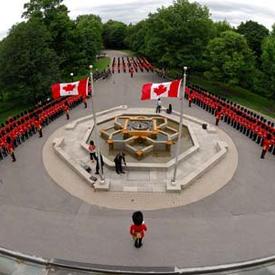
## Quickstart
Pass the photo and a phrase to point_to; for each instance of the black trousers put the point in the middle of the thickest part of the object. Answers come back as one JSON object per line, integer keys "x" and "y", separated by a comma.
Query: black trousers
{"x": 118, "y": 167}
{"x": 97, "y": 168}
{"x": 263, "y": 154}
{"x": 92, "y": 156}
{"x": 40, "y": 132}
{"x": 13, "y": 157}
{"x": 138, "y": 242}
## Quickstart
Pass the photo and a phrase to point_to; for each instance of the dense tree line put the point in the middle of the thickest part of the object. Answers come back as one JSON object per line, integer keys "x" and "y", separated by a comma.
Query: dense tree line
{"x": 46, "y": 48}
{"x": 49, "y": 45}
{"x": 114, "y": 34}
{"x": 184, "y": 34}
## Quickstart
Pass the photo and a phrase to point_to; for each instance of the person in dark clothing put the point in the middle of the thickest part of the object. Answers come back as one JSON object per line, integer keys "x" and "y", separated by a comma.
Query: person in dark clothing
{"x": 97, "y": 165}
{"x": 158, "y": 108}
{"x": 169, "y": 109}
{"x": 92, "y": 150}
{"x": 118, "y": 162}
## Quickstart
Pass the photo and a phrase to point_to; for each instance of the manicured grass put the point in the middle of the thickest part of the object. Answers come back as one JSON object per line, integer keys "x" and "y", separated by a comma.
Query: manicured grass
{"x": 237, "y": 94}
{"x": 11, "y": 108}
{"x": 102, "y": 64}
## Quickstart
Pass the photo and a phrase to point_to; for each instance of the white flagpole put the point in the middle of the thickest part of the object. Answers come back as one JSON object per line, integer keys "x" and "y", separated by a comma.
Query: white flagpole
{"x": 180, "y": 126}
{"x": 101, "y": 174}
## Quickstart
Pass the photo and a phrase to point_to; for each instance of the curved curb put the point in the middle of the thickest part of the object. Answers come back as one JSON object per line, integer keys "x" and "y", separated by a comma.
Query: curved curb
{"x": 105, "y": 269}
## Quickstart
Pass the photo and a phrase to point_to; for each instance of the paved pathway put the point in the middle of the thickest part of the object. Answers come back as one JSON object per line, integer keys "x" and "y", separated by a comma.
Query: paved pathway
{"x": 234, "y": 224}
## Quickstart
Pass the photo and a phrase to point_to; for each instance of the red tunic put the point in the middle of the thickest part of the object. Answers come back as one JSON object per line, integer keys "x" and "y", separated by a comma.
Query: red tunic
{"x": 219, "y": 115}
{"x": 9, "y": 148}
{"x": 66, "y": 108}
{"x": 267, "y": 144}
{"x": 37, "y": 124}
{"x": 138, "y": 229}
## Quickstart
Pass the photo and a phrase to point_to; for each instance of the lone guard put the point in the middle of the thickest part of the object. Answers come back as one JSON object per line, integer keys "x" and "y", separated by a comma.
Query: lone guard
{"x": 120, "y": 157}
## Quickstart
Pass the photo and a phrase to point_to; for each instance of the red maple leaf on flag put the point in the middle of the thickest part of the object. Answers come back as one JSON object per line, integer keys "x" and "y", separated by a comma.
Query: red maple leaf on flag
{"x": 69, "y": 87}
{"x": 160, "y": 90}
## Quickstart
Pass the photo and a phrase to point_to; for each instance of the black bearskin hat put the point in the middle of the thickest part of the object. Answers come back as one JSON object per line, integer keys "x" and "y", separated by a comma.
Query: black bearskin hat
{"x": 137, "y": 218}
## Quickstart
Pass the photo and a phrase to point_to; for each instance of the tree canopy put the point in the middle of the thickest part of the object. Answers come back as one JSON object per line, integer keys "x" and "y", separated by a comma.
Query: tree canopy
{"x": 28, "y": 65}
{"x": 174, "y": 36}
{"x": 254, "y": 34}
{"x": 114, "y": 34}
{"x": 49, "y": 45}
{"x": 46, "y": 48}
{"x": 268, "y": 63}
{"x": 40, "y": 8}
{"x": 230, "y": 59}
{"x": 88, "y": 34}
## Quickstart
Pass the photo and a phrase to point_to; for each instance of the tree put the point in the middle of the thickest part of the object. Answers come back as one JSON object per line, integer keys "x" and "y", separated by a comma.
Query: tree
{"x": 273, "y": 30}
{"x": 254, "y": 34}
{"x": 135, "y": 36}
{"x": 28, "y": 66}
{"x": 175, "y": 36}
{"x": 222, "y": 26}
{"x": 55, "y": 17}
{"x": 114, "y": 34}
{"x": 40, "y": 8}
{"x": 88, "y": 33}
{"x": 230, "y": 60}
{"x": 268, "y": 64}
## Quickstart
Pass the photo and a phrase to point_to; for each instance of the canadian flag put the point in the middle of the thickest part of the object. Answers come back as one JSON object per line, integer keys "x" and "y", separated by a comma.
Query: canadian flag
{"x": 156, "y": 90}
{"x": 74, "y": 88}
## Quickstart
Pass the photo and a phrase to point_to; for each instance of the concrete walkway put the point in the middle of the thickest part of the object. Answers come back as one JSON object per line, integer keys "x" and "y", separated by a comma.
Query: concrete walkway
{"x": 234, "y": 224}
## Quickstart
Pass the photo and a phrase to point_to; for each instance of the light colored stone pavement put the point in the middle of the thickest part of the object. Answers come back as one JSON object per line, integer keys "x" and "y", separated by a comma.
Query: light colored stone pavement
{"x": 234, "y": 224}
{"x": 142, "y": 180}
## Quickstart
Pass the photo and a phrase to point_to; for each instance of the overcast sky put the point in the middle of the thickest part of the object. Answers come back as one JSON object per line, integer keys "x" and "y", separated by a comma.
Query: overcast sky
{"x": 234, "y": 11}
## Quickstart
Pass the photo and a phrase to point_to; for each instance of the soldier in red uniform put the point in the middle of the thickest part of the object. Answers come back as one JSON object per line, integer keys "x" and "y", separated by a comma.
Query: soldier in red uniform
{"x": 131, "y": 71}
{"x": 66, "y": 110}
{"x": 2, "y": 147}
{"x": 190, "y": 98}
{"x": 84, "y": 100}
{"x": 118, "y": 65}
{"x": 138, "y": 228}
{"x": 10, "y": 148}
{"x": 219, "y": 114}
{"x": 267, "y": 143}
{"x": 38, "y": 127}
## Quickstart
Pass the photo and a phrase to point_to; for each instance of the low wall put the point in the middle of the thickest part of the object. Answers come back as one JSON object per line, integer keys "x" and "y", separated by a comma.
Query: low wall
{"x": 58, "y": 265}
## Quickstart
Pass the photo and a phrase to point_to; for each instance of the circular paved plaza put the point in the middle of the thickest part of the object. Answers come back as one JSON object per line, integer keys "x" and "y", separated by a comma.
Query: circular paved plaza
{"x": 235, "y": 223}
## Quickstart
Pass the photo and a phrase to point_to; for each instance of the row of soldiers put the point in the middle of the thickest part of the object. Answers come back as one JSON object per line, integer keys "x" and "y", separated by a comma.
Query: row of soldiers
{"x": 131, "y": 64}
{"x": 18, "y": 129}
{"x": 254, "y": 126}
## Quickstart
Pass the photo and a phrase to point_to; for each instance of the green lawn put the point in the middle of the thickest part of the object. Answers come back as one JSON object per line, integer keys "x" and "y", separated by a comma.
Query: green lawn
{"x": 102, "y": 63}
{"x": 10, "y": 108}
{"x": 237, "y": 94}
